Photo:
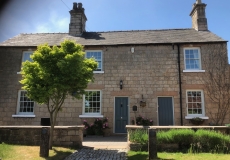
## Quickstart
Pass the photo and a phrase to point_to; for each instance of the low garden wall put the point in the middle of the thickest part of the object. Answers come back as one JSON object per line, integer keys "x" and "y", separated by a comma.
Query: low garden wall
{"x": 31, "y": 135}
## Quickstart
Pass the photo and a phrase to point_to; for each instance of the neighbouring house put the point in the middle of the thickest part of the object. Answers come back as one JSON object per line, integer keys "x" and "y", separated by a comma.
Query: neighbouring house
{"x": 158, "y": 71}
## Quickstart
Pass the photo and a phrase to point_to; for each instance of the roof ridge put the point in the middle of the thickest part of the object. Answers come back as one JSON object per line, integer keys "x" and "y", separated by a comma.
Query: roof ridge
{"x": 112, "y": 31}
{"x": 47, "y": 33}
{"x": 142, "y": 30}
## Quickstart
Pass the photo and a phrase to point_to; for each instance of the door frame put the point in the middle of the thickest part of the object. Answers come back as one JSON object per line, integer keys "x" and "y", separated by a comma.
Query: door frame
{"x": 115, "y": 113}
{"x": 172, "y": 109}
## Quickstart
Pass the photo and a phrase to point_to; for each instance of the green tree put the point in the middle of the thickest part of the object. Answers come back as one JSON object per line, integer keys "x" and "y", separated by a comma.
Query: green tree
{"x": 55, "y": 73}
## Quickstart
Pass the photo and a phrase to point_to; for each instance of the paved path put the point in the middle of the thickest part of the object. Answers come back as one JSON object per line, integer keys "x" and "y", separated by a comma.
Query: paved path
{"x": 102, "y": 148}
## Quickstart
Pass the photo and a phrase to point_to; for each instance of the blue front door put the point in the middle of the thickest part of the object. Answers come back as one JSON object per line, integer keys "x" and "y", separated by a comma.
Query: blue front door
{"x": 165, "y": 111}
{"x": 121, "y": 114}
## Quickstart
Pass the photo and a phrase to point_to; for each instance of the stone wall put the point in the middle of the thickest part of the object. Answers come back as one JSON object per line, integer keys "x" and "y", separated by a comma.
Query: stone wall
{"x": 31, "y": 135}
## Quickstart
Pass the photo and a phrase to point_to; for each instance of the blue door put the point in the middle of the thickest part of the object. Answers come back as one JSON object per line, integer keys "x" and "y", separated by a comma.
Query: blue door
{"x": 165, "y": 111}
{"x": 121, "y": 114}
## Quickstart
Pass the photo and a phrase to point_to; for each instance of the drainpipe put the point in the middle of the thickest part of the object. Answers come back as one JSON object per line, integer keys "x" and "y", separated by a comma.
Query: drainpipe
{"x": 180, "y": 83}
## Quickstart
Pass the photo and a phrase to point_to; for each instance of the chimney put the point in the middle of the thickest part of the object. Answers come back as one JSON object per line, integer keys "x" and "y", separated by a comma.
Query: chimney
{"x": 77, "y": 20}
{"x": 199, "y": 20}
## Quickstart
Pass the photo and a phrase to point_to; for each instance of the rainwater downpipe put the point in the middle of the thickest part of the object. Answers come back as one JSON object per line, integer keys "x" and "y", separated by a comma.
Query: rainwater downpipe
{"x": 180, "y": 83}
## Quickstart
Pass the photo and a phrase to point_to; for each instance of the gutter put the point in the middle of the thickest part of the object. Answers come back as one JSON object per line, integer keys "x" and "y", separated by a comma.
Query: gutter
{"x": 180, "y": 83}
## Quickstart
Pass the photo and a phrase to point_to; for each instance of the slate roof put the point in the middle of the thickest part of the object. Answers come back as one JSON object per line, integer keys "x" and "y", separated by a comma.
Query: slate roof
{"x": 117, "y": 38}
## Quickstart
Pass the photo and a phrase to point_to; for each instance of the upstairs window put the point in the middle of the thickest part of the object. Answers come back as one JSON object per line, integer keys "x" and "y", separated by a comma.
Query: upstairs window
{"x": 97, "y": 55}
{"x": 26, "y": 56}
{"x": 192, "y": 59}
{"x": 25, "y": 105}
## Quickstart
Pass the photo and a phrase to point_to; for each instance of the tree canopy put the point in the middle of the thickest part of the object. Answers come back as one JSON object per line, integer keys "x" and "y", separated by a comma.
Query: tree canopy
{"x": 56, "y": 72}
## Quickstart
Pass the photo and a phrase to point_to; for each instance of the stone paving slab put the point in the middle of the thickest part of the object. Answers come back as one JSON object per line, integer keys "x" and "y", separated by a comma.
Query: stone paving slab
{"x": 99, "y": 154}
{"x": 102, "y": 148}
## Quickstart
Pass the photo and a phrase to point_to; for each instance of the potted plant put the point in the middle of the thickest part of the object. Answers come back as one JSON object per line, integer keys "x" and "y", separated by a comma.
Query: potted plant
{"x": 197, "y": 121}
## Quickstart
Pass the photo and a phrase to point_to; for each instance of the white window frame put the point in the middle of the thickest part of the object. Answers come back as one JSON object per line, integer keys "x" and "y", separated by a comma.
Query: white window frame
{"x": 23, "y": 114}
{"x": 96, "y": 115}
{"x": 199, "y": 56}
{"x": 190, "y": 116}
{"x": 102, "y": 71}
{"x": 23, "y": 57}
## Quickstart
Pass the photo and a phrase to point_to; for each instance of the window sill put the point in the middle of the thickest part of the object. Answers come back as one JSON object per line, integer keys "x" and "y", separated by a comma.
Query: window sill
{"x": 193, "y": 70}
{"x": 18, "y": 72}
{"x": 190, "y": 117}
{"x": 91, "y": 116}
{"x": 23, "y": 116}
{"x": 98, "y": 72}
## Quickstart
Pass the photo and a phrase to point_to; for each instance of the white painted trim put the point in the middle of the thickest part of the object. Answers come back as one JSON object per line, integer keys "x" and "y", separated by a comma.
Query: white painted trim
{"x": 83, "y": 104}
{"x": 187, "y": 48}
{"x": 98, "y": 72}
{"x": 172, "y": 108}
{"x": 23, "y": 116}
{"x": 202, "y": 100}
{"x": 202, "y": 117}
{"x": 102, "y": 62}
{"x": 91, "y": 116}
{"x": 193, "y": 70}
{"x": 18, "y": 105}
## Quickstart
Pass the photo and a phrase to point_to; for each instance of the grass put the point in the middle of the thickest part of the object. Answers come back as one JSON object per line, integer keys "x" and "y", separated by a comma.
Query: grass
{"x": 178, "y": 156}
{"x": 19, "y": 152}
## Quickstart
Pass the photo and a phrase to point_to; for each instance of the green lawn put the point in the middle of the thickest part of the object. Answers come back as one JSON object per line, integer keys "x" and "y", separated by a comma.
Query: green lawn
{"x": 178, "y": 156}
{"x": 18, "y": 152}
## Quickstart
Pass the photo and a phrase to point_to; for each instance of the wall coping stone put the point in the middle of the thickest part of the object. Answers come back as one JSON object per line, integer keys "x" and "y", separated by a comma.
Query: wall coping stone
{"x": 55, "y": 127}
{"x": 175, "y": 127}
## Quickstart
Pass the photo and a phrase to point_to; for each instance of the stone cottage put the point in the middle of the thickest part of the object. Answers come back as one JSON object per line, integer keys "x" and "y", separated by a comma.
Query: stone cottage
{"x": 152, "y": 73}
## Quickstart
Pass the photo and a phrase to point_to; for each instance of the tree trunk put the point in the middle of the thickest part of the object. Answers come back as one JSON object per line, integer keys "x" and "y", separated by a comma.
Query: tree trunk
{"x": 51, "y": 131}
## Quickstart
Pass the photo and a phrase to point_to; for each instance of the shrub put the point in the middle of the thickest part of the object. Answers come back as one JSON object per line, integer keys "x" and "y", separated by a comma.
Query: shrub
{"x": 164, "y": 137}
{"x": 143, "y": 121}
{"x": 187, "y": 139}
{"x": 182, "y": 137}
{"x": 97, "y": 127}
{"x": 138, "y": 136}
{"x": 210, "y": 141}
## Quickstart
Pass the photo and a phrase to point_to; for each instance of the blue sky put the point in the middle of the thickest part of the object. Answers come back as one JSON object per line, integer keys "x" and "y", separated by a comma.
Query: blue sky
{"x": 40, "y": 16}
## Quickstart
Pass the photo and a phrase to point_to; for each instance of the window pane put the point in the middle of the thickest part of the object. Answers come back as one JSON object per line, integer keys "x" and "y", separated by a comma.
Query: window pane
{"x": 98, "y": 58}
{"x": 25, "y": 104}
{"x": 192, "y": 60}
{"x": 26, "y": 56}
{"x": 92, "y": 102}
{"x": 194, "y": 102}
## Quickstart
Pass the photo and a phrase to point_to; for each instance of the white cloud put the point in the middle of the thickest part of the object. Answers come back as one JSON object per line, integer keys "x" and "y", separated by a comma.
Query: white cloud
{"x": 56, "y": 24}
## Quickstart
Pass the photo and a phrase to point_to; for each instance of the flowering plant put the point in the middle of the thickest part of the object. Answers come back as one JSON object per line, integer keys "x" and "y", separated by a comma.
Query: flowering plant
{"x": 97, "y": 127}
{"x": 197, "y": 120}
{"x": 143, "y": 121}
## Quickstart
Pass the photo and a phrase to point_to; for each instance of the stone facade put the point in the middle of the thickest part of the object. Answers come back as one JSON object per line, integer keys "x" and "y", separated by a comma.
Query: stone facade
{"x": 151, "y": 71}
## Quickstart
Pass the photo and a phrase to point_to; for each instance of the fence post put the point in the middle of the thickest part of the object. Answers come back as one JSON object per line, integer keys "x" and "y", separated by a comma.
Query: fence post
{"x": 152, "y": 144}
{"x": 44, "y": 143}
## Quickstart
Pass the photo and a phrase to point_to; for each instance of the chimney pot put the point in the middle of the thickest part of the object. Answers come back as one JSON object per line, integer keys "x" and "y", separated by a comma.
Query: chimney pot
{"x": 74, "y": 6}
{"x": 198, "y": 2}
{"x": 80, "y": 5}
